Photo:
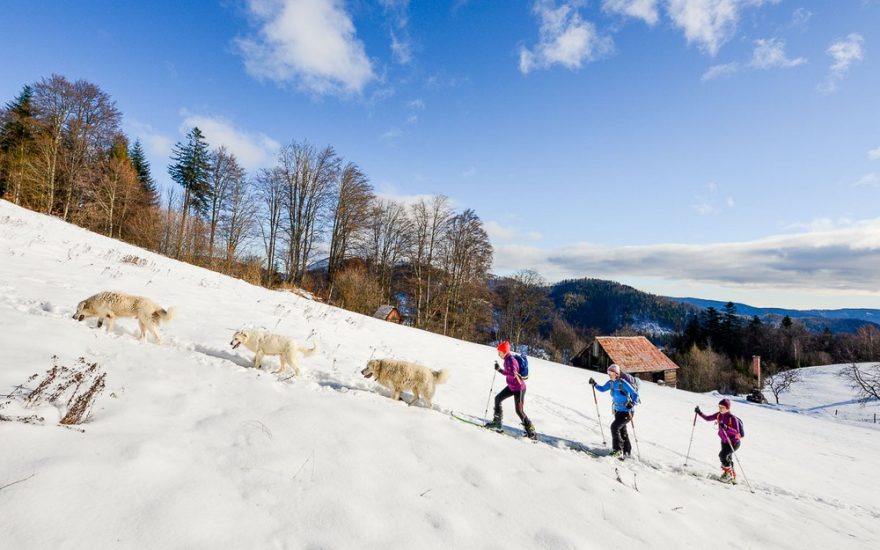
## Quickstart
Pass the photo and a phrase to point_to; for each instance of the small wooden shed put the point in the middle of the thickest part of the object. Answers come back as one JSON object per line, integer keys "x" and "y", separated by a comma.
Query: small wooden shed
{"x": 635, "y": 355}
{"x": 389, "y": 313}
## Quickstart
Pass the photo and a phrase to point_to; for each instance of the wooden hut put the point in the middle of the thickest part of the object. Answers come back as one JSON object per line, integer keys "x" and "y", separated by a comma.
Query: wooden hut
{"x": 635, "y": 355}
{"x": 389, "y": 313}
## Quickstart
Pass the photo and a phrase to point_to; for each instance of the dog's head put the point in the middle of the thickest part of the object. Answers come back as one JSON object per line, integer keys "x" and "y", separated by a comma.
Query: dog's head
{"x": 83, "y": 310}
{"x": 239, "y": 338}
{"x": 372, "y": 369}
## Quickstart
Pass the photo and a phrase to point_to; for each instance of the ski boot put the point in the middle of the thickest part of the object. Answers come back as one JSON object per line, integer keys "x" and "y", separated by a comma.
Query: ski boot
{"x": 616, "y": 454}
{"x": 728, "y": 475}
{"x": 496, "y": 422}
{"x": 530, "y": 430}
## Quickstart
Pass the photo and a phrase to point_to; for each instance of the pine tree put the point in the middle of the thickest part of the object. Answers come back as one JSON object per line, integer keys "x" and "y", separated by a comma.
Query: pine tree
{"x": 145, "y": 178}
{"x": 16, "y": 137}
{"x": 191, "y": 169}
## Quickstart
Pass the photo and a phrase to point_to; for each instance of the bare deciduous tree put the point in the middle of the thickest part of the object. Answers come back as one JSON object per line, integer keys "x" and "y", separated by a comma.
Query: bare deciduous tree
{"x": 524, "y": 306}
{"x": 385, "y": 240}
{"x": 224, "y": 173}
{"x": 308, "y": 175}
{"x": 89, "y": 131}
{"x": 781, "y": 381}
{"x": 238, "y": 217}
{"x": 270, "y": 188}
{"x": 429, "y": 221}
{"x": 52, "y": 106}
{"x": 467, "y": 257}
{"x": 351, "y": 202}
{"x": 865, "y": 380}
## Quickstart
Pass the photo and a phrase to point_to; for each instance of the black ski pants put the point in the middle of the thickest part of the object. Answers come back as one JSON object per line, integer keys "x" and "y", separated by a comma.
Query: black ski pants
{"x": 726, "y": 453}
{"x": 619, "y": 436}
{"x": 519, "y": 398}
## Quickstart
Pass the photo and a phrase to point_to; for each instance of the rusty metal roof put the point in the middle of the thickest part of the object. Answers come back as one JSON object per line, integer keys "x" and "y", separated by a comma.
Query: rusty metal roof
{"x": 635, "y": 354}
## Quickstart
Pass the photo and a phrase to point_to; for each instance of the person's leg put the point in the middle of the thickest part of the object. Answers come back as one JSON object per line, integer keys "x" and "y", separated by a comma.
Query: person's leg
{"x": 626, "y": 446}
{"x": 620, "y": 420}
{"x": 520, "y": 399}
{"x": 498, "y": 414}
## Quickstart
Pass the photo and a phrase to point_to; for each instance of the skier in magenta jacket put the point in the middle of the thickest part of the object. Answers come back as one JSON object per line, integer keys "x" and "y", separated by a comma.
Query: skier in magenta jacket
{"x": 516, "y": 387}
{"x": 730, "y": 431}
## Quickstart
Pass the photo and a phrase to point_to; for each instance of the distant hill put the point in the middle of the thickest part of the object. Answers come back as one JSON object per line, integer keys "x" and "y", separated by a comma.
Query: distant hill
{"x": 608, "y": 306}
{"x": 837, "y": 320}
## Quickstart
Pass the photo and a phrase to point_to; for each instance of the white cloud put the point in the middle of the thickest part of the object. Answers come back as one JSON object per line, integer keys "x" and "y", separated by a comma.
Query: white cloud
{"x": 845, "y": 52}
{"x": 157, "y": 145}
{"x": 868, "y": 180}
{"x": 252, "y": 149}
{"x": 416, "y": 105}
{"x": 640, "y": 9}
{"x": 499, "y": 233}
{"x": 391, "y": 134}
{"x": 564, "y": 39}
{"x": 770, "y": 53}
{"x": 709, "y": 23}
{"x": 717, "y": 71}
{"x": 310, "y": 43}
{"x": 874, "y": 154}
{"x": 835, "y": 259}
{"x": 397, "y": 12}
{"x": 800, "y": 17}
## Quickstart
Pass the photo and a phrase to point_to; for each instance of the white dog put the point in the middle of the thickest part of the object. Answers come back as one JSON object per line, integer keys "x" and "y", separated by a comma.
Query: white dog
{"x": 110, "y": 305}
{"x": 398, "y": 376}
{"x": 265, "y": 343}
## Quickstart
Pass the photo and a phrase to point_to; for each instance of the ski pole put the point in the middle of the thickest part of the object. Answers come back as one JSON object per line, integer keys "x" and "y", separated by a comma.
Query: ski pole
{"x": 491, "y": 389}
{"x": 738, "y": 463}
{"x": 635, "y": 437}
{"x": 599, "y": 416}
{"x": 692, "y": 440}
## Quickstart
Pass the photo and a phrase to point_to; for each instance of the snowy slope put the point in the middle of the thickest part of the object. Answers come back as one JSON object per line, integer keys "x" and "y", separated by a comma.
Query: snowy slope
{"x": 197, "y": 450}
{"x": 821, "y": 392}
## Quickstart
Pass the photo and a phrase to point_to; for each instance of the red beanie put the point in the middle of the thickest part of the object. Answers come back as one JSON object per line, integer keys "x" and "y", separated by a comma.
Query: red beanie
{"x": 725, "y": 403}
{"x": 504, "y": 347}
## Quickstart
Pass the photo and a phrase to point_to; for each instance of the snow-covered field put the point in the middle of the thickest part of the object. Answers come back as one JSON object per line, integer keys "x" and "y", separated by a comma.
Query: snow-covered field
{"x": 821, "y": 392}
{"x": 189, "y": 447}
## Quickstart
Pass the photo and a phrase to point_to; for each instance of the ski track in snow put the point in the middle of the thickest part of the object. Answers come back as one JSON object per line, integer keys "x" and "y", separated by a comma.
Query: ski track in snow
{"x": 298, "y": 482}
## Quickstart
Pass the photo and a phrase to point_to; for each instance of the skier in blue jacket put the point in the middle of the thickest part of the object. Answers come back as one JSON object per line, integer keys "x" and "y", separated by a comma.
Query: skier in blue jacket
{"x": 624, "y": 397}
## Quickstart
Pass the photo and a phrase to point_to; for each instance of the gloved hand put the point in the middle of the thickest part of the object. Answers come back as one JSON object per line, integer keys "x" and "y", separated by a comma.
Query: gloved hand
{"x": 697, "y": 410}
{"x": 629, "y": 405}
{"x": 497, "y": 367}
{"x": 592, "y": 382}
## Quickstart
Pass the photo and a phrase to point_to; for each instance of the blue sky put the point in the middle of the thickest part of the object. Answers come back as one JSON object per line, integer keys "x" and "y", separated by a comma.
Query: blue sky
{"x": 726, "y": 149}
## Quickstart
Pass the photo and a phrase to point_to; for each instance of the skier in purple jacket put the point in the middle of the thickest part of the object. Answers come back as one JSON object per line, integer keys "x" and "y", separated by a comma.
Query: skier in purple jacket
{"x": 730, "y": 431}
{"x": 516, "y": 387}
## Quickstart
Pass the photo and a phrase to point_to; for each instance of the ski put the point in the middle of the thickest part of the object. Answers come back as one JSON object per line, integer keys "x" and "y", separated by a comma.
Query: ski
{"x": 510, "y": 431}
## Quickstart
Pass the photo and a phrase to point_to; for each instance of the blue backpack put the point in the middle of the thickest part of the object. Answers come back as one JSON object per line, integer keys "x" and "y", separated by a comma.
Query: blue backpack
{"x": 523, "y": 362}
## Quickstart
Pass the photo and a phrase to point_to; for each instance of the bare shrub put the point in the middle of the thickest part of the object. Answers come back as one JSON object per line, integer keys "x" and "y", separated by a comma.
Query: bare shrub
{"x": 357, "y": 291}
{"x": 702, "y": 369}
{"x": 74, "y": 389}
{"x": 134, "y": 260}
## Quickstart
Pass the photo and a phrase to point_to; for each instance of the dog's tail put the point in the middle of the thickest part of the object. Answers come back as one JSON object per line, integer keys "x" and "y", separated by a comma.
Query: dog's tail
{"x": 440, "y": 376}
{"x": 310, "y": 352}
{"x": 164, "y": 315}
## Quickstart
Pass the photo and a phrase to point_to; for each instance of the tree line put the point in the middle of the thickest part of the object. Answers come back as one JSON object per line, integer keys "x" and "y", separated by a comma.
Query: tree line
{"x": 715, "y": 348}
{"x": 312, "y": 220}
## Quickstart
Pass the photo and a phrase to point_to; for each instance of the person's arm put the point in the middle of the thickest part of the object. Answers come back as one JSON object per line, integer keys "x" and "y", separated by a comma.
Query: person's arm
{"x": 708, "y": 418}
{"x": 604, "y": 387}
